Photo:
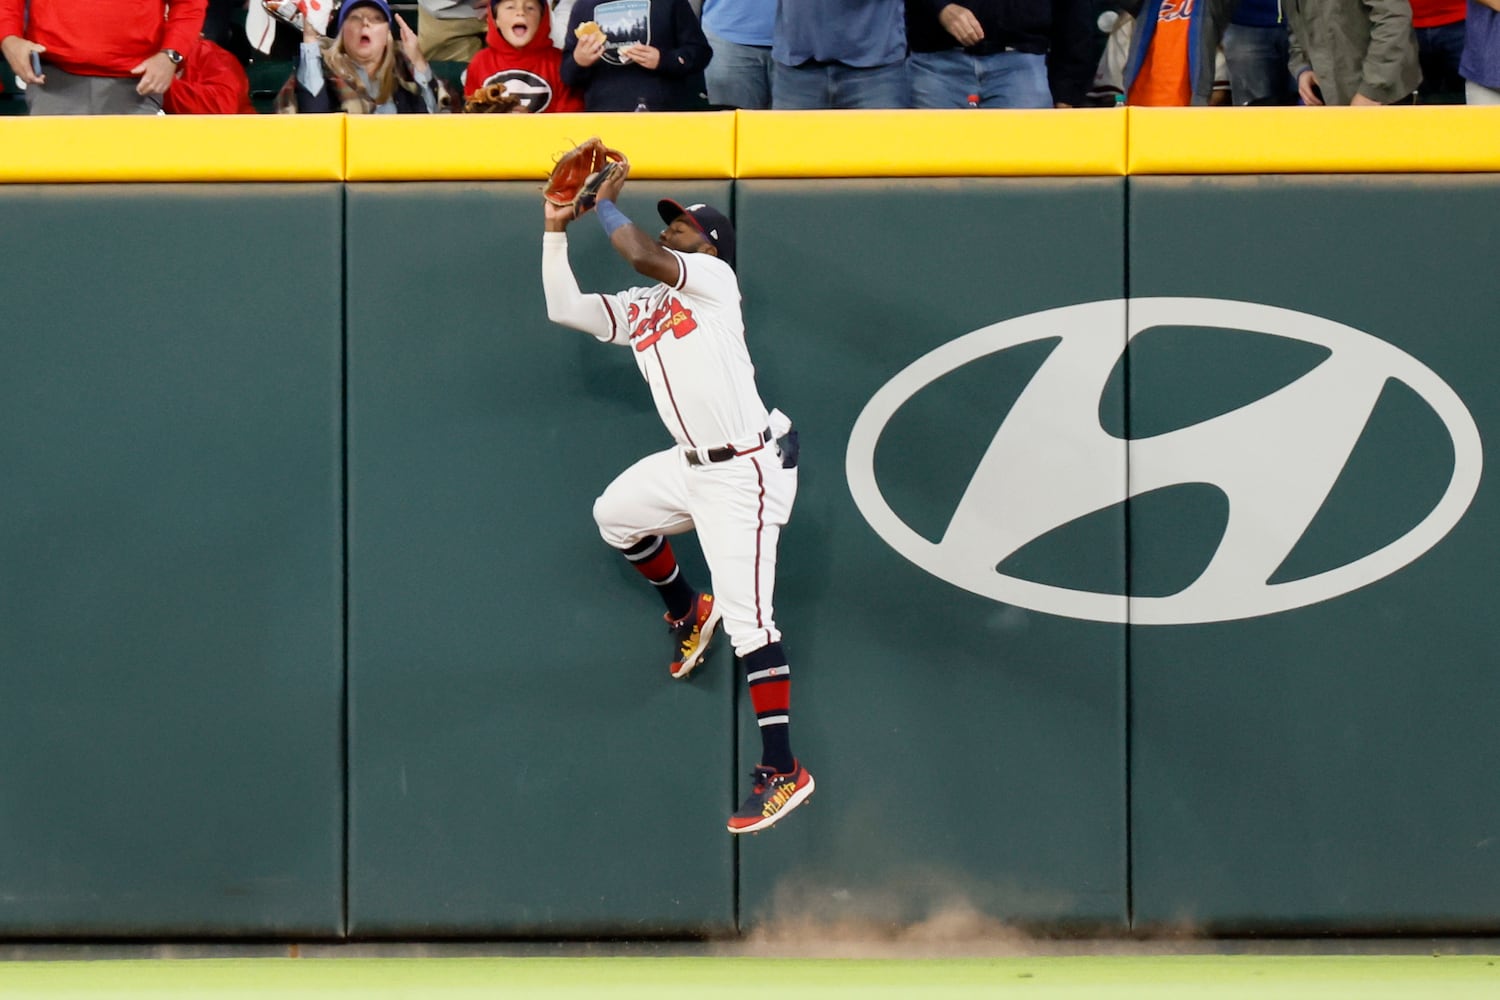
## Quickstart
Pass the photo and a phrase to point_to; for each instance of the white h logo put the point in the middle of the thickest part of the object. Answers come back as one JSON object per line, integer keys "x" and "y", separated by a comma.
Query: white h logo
{"x": 1276, "y": 459}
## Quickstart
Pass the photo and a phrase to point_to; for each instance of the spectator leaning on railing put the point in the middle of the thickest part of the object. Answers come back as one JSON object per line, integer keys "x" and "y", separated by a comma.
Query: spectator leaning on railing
{"x": 113, "y": 59}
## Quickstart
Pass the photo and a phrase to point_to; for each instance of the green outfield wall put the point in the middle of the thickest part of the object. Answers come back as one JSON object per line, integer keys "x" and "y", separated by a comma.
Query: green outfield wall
{"x": 519, "y": 761}
{"x": 1139, "y": 578}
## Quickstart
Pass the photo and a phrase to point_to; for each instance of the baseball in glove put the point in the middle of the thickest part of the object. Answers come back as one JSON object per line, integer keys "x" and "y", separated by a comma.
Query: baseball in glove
{"x": 492, "y": 98}
{"x": 576, "y": 179}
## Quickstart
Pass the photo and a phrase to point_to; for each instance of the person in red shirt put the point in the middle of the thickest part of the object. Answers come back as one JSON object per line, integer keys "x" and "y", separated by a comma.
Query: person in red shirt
{"x": 210, "y": 81}
{"x": 518, "y": 53}
{"x": 1440, "y": 27}
{"x": 91, "y": 64}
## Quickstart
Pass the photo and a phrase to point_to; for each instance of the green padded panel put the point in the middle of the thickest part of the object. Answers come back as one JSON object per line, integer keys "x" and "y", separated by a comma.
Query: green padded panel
{"x": 1329, "y": 768}
{"x": 172, "y": 639}
{"x": 968, "y": 753}
{"x": 520, "y": 761}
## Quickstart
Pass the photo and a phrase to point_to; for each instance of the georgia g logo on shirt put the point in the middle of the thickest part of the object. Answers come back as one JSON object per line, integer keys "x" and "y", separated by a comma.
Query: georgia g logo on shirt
{"x": 533, "y": 91}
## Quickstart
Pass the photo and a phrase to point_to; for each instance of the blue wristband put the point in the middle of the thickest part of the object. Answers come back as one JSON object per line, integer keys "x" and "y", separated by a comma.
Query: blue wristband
{"x": 610, "y": 216}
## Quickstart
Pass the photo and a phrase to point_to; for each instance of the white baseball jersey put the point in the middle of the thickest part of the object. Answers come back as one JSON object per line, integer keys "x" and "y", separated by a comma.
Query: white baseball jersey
{"x": 689, "y": 342}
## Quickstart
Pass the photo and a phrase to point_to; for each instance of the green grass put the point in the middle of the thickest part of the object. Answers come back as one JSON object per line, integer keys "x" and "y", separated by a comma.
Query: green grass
{"x": 1057, "y": 978}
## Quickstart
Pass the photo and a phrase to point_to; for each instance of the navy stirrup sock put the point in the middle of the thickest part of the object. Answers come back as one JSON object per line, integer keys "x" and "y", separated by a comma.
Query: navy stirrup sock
{"x": 770, "y": 681}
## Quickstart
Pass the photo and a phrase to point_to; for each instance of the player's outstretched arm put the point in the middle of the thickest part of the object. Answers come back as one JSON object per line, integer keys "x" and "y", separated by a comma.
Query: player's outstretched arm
{"x": 644, "y": 254}
{"x": 566, "y": 305}
{"x": 629, "y": 240}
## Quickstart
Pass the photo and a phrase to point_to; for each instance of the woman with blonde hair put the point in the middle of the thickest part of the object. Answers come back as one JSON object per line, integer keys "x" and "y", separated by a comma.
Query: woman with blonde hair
{"x": 361, "y": 71}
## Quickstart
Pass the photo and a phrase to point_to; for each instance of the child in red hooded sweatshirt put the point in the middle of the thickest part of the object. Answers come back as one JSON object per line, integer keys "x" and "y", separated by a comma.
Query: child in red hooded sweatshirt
{"x": 519, "y": 53}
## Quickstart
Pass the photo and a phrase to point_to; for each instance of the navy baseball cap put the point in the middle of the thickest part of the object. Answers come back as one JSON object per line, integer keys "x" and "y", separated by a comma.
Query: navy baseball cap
{"x": 345, "y": 8}
{"x": 712, "y": 223}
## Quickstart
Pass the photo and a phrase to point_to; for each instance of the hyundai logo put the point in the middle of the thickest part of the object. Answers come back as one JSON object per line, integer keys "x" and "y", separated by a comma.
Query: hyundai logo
{"x": 1275, "y": 459}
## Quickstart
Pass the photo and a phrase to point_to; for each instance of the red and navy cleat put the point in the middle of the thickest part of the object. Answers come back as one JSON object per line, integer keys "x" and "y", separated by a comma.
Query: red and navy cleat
{"x": 691, "y": 635}
{"x": 772, "y": 796}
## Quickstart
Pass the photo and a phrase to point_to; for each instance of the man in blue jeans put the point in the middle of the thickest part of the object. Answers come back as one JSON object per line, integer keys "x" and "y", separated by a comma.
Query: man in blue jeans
{"x": 740, "y": 32}
{"x": 1439, "y": 25}
{"x": 998, "y": 53}
{"x": 839, "y": 54}
{"x": 1256, "y": 49}
{"x": 1481, "y": 62}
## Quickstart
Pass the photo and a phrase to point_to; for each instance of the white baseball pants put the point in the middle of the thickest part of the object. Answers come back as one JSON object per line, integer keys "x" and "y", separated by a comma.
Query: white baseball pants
{"x": 738, "y": 508}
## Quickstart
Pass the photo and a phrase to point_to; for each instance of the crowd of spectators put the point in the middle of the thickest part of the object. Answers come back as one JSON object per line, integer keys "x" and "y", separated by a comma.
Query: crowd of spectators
{"x": 547, "y": 56}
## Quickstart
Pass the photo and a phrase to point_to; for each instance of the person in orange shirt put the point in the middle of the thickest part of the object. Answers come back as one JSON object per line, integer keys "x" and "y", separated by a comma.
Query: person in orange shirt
{"x": 1173, "y": 51}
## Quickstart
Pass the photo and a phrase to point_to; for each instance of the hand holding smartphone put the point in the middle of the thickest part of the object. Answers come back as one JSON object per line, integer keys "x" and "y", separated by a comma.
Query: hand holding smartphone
{"x": 36, "y": 62}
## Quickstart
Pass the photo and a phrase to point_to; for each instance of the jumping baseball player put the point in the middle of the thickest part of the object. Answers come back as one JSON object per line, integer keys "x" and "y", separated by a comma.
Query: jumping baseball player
{"x": 732, "y": 474}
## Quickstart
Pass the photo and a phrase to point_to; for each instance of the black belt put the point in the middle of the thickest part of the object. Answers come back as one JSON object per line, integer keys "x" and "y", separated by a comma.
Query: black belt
{"x": 725, "y": 453}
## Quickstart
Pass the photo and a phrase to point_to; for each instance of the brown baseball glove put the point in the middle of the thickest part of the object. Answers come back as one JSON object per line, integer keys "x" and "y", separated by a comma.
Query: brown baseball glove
{"x": 576, "y": 179}
{"x": 492, "y": 99}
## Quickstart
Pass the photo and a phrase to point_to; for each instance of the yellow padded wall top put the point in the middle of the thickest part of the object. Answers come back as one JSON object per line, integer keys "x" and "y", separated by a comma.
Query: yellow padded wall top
{"x": 521, "y": 147}
{"x": 960, "y": 143}
{"x": 166, "y": 148}
{"x": 754, "y": 144}
{"x": 1451, "y": 139}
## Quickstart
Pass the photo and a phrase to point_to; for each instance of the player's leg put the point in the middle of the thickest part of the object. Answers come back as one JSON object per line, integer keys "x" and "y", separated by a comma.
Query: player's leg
{"x": 740, "y": 509}
{"x": 635, "y": 513}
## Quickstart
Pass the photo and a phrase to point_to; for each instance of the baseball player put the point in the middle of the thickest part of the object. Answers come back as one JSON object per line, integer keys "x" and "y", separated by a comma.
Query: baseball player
{"x": 731, "y": 475}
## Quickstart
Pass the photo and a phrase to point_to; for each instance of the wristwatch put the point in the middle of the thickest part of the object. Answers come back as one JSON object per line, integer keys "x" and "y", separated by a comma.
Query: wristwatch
{"x": 173, "y": 55}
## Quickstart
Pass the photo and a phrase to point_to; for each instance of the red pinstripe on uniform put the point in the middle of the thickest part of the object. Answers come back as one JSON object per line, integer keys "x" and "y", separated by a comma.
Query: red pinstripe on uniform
{"x": 760, "y": 528}
{"x": 614, "y": 325}
{"x": 667, "y": 383}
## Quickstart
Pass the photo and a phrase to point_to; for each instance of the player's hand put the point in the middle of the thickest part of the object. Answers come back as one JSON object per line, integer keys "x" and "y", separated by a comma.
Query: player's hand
{"x": 1361, "y": 101}
{"x": 615, "y": 182}
{"x": 1305, "y": 84}
{"x": 17, "y": 51}
{"x": 156, "y": 73}
{"x": 555, "y": 218}
{"x": 644, "y": 56}
{"x": 961, "y": 23}
{"x": 590, "y": 49}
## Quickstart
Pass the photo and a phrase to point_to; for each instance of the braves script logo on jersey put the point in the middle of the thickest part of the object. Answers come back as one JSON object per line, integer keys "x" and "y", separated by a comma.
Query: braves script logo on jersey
{"x": 669, "y": 317}
{"x": 1275, "y": 459}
